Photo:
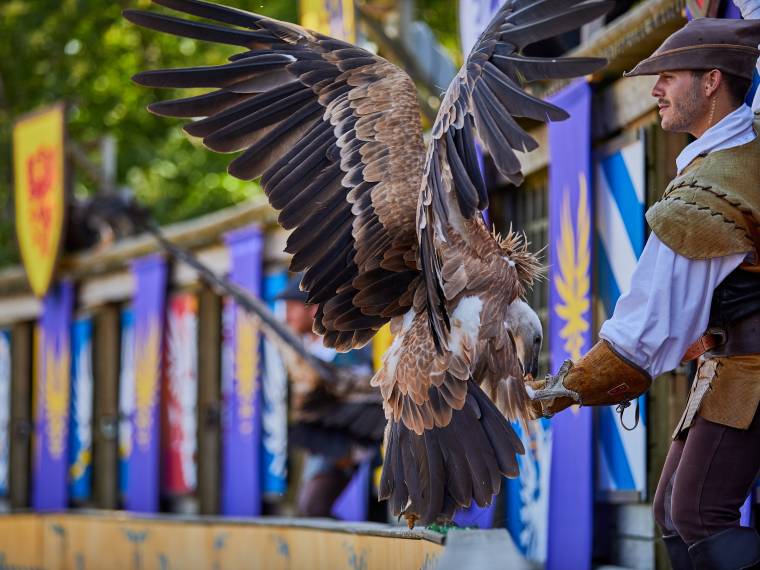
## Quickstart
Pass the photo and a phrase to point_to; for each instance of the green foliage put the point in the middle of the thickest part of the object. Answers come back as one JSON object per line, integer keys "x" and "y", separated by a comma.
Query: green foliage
{"x": 443, "y": 18}
{"x": 84, "y": 52}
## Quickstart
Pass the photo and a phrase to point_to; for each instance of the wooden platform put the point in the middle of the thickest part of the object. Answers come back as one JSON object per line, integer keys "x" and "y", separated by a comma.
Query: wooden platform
{"x": 116, "y": 540}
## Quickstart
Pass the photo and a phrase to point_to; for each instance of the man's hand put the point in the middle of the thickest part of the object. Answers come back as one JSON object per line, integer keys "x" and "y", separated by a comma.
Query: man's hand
{"x": 600, "y": 378}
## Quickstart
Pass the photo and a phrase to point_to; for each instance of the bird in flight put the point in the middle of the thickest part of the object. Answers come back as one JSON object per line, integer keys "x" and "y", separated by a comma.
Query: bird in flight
{"x": 387, "y": 228}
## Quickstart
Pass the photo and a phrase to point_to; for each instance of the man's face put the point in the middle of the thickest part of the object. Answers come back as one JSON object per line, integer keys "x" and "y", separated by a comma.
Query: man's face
{"x": 300, "y": 317}
{"x": 681, "y": 100}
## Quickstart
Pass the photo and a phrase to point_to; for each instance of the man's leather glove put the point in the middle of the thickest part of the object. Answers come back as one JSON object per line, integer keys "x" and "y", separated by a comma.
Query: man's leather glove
{"x": 600, "y": 378}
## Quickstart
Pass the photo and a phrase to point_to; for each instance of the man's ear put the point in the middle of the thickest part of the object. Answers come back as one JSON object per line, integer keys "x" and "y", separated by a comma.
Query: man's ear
{"x": 712, "y": 80}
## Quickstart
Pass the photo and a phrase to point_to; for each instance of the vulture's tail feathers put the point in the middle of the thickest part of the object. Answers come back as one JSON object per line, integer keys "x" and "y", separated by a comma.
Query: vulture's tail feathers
{"x": 427, "y": 477}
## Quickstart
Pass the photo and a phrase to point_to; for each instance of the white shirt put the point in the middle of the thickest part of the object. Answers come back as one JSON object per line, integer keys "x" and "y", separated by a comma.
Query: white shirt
{"x": 668, "y": 305}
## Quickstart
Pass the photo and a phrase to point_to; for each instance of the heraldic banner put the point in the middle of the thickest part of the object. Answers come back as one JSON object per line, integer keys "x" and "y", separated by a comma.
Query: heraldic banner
{"x": 40, "y": 192}
{"x": 52, "y": 389}
{"x": 80, "y": 435}
{"x": 143, "y": 463}
{"x": 241, "y": 394}
{"x": 570, "y": 320}
{"x": 274, "y": 409}
{"x": 180, "y": 396}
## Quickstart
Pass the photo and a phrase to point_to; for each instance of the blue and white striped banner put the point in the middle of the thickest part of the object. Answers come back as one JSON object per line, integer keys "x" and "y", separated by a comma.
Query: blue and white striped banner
{"x": 126, "y": 395}
{"x": 80, "y": 432}
{"x": 620, "y": 200}
{"x": 274, "y": 411}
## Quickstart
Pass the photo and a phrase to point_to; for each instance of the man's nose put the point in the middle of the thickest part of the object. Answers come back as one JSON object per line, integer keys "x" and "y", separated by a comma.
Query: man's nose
{"x": 657, "y": 90}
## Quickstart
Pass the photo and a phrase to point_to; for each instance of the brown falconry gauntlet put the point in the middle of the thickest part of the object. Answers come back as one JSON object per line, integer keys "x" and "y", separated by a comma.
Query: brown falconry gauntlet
{"x": 600, "y": 378}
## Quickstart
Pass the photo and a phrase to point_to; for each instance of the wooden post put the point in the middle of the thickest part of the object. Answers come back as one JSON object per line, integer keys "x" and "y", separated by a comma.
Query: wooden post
{"x": 106, "y": 367}
{"x": 209, "y": 399}
{"x": 22, "y": 353}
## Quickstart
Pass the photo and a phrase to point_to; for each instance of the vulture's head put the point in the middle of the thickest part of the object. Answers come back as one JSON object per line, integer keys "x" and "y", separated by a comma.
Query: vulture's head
{"x": 525, "y": 328}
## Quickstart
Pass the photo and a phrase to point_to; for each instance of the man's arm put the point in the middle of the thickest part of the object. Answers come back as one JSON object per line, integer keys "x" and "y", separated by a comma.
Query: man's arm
{"x": 666, "y": 309}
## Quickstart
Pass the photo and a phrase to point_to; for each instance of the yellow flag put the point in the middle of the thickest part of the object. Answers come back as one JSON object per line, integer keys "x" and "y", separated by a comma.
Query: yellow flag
{"x": 334, "y": 18}
{"x": 40, "y": 192}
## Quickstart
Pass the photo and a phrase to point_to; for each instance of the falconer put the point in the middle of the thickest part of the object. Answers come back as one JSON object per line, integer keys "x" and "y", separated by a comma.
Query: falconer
{"x": 695, "y": 294}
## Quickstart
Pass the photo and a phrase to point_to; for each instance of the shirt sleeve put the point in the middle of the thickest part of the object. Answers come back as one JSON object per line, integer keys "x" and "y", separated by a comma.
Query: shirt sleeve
{"x": 667, "y": 307}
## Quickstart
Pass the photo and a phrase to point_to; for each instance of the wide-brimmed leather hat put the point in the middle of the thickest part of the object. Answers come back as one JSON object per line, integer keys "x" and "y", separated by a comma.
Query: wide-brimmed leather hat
{"x": 704, "y": 44}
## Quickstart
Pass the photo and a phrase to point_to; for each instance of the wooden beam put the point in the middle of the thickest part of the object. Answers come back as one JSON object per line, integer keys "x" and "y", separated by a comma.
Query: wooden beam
{"x": 197, "y": 233}
{"x": 16, "y": 308}
{"x": 22, "y": 353}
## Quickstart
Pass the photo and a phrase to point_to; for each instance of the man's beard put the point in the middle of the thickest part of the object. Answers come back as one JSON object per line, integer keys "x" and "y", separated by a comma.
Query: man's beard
{"x": 683, "y": 114}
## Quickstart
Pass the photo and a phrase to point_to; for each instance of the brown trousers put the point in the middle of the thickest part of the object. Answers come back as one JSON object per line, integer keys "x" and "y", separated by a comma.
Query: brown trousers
{"x": 708, "y": 473}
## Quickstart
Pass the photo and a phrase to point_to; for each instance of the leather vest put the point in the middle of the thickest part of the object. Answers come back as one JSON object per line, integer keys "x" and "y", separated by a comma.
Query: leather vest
{"x": 712, "y": 208}
{"x": 736, "y": 298}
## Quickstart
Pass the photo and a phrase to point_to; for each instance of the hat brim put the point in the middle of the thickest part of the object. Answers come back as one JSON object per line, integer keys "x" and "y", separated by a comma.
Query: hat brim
{"x": 730, "y": 59}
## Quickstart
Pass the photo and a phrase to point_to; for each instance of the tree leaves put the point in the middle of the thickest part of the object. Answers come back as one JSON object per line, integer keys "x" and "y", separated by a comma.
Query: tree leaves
{"x": 85, "y": 52}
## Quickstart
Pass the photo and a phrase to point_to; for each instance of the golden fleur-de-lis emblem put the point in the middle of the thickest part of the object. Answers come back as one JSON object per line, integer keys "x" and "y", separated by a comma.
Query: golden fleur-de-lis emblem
{"x": 573, "y": 280}
{"x": 56, "y": 397}
{"x": 147, "y": 356}
{"x": 246, "y": 368}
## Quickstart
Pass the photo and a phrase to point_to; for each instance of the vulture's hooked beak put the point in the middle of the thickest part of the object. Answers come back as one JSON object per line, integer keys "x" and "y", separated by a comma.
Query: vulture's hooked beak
{"x": 525, "y": 330}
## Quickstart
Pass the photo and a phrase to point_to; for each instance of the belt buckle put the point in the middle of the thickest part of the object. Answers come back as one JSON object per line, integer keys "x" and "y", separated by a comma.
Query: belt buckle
{"x": 720, "y": 335}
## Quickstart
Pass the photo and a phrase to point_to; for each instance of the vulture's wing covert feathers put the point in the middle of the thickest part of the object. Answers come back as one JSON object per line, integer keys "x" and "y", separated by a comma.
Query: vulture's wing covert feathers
{"x": 334, "y": 133}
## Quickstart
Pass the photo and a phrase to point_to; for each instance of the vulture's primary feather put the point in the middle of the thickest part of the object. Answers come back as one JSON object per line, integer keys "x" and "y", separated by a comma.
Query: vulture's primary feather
{"x": 386, "y": 229}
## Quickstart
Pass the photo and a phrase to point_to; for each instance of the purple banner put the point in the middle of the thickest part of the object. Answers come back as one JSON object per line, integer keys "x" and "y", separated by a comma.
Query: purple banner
{"x": 143, "y": 463}
{"x": 352, "y": 504}
{"x": 571, "y": 475}
{"x": 241, "y": 458}
{"x": 475, "y": 516}
{"x": 53, "y": 385}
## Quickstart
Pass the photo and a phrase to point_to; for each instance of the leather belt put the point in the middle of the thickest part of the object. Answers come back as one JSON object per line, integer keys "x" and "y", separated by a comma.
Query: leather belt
{"x": 737, "y": 339}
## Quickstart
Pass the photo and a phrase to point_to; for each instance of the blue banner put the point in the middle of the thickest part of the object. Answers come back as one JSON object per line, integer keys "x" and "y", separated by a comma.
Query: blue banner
{"x": 570, "y": 219}
{"x": 5, "y": 408}
{"x": 52, "y": 391}
{"x": 143, "y": 483}
{"x": 241, "y": 428}
{"x": 274, "y": 411}
{"x": 620, "y": 205}
{"x": 126, "y": 396}
{"x": 80, "y": 433}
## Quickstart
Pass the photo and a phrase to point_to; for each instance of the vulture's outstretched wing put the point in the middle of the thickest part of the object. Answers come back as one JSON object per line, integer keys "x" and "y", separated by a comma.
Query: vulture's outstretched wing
{"x": 486, "y": 96}
{"x": 453, "y": 373}
{"x": 334, "y": 133}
